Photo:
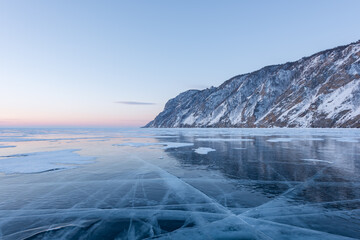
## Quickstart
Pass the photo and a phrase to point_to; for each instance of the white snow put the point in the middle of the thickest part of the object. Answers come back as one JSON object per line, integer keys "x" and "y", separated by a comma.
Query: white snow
{"x": 218, "y": 113}
{"x": 42, "y": 161}
{"x": 190, "y": 119}
{"x": 204, "y": 150}
{"x": 337, "y": 100}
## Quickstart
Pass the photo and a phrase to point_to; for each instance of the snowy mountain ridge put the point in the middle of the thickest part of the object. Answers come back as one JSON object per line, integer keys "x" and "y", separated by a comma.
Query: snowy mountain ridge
{"x": 322, "y": 90}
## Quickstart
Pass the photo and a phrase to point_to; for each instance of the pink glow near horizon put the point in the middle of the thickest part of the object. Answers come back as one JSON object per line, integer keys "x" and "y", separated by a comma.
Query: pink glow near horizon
{"x": 111, "y": 115}
{"x": 74, "y": 122}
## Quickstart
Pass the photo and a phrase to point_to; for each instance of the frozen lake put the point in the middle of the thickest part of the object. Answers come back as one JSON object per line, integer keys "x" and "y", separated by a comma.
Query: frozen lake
{"x": 180, "y": 183}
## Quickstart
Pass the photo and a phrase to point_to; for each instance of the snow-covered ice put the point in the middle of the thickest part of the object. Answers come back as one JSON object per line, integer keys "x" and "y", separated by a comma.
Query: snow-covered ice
{"x": 42, "y": 161}
{"x": 7, "y": 146}
{"x": 204, "y": 150}
{"x": 131, "y": 184}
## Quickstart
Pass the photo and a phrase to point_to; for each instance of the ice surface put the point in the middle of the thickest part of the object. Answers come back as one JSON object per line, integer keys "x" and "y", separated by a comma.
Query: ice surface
{"x": 225, "y": 139}
{"x": 348, "y": 139}
{"x": 280, "y": 140}
{"x": 315, "y": 160}
{"x": 166, "y": 145}
{"x": 293, "y": 139}
{"x": 142, "y": 187}
{"x": 204, "y": 150}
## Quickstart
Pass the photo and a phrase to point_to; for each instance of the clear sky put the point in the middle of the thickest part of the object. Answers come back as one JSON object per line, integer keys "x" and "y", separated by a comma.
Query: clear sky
{"x": 116, "y": 63}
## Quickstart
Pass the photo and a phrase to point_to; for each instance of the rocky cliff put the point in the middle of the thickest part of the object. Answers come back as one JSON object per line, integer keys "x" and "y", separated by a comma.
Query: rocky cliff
{"x": 322, "y": 90}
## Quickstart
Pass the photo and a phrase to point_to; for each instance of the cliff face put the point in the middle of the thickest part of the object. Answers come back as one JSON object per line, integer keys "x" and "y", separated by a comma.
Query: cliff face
{"x": 322, "y": 90}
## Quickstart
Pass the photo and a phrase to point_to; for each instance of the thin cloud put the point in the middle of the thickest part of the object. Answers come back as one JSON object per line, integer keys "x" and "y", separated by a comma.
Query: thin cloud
{"x": 135, "y": 103}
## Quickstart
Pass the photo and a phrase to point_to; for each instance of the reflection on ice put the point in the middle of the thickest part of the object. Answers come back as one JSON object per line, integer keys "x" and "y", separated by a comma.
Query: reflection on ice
{"x": 230, "y": 184}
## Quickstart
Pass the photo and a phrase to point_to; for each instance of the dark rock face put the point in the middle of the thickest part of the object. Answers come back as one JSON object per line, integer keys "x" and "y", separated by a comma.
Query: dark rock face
{"x": 320, "y": 91}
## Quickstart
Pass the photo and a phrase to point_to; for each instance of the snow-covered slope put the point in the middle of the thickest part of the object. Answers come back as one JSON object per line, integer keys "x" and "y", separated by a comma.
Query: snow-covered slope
{"x": 322, "y": 90}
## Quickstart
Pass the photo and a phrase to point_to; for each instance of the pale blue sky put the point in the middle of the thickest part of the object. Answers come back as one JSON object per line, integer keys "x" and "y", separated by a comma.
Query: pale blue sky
{"x": 65, "y": 62}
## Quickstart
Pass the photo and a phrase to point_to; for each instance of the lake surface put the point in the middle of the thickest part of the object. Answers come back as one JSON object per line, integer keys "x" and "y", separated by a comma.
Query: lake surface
{"x": 179, "y": 183}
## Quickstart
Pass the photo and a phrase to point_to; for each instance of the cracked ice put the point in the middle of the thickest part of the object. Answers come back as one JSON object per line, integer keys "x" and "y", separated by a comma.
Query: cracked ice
{"x": 130, "y": 183}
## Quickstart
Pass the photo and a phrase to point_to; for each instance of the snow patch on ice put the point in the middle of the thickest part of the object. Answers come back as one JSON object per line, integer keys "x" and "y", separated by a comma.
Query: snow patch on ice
{"x": 42, "y": 161}
{"x": 204, "y": 150}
